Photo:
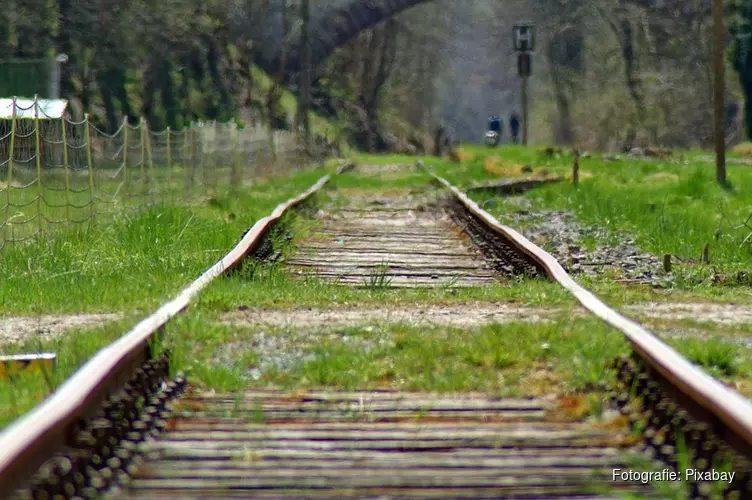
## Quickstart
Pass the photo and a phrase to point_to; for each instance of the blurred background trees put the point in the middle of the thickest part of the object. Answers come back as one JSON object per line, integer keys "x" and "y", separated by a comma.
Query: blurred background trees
{"x": 607, "y": 74}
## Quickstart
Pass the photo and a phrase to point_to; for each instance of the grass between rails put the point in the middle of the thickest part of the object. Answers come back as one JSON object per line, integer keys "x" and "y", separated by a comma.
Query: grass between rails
{"x": 271, "y": 287}
{"x": 416, "y": 357}
{"x": 138, "y": 260}
{"x": 514, "y": 359}
{"x": 569, "y": 356}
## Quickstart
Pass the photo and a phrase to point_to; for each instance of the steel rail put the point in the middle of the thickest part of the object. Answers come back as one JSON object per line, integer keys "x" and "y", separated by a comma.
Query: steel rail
{"x": 28, "y": 442}
{"x": 727, "y": 410}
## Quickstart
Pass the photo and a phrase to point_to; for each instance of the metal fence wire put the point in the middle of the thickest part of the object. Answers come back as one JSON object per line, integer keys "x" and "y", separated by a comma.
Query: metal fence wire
{"x": 58, "y": 173}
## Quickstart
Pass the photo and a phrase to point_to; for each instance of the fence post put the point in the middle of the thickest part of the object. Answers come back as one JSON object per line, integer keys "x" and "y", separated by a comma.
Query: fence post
{"x": 38, "y": 154}
{"x": 198, "y": 176}
{"x": 187, "y": 154}
{"x": 194, "y": 156}
{"x": 235, "y": 173}
{"x": 90, "y": 167}
{"x": 205, "y": 154}
{"x": 169, "y": 151}
{"x": 66, "y": 167}
{"x": 142, "y": 163}
{"x": 125, "y": 158}
{"x": 150, "y": 175}
{"x": 10, "y": 170}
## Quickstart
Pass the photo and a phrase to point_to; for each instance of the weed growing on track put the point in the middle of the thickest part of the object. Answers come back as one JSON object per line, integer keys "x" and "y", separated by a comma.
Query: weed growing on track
{"x": 511, "y": 359}
{"x": 138, "y": 260}
{"x": 514, "y": 359}
{"x": 379, "y": 278}
{"x": 569, "y": 356}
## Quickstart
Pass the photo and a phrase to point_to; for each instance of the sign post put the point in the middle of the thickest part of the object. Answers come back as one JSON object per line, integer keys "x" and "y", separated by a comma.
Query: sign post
{"x": 524, "y": 44}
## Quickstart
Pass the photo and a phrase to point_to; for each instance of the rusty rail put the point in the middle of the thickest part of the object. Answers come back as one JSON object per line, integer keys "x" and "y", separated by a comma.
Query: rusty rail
{"x": 705, "y": 397}
{"x": 28, "y": 442}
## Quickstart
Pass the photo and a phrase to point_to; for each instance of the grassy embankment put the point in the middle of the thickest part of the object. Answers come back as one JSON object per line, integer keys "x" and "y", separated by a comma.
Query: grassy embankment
{"x": 669, "y": 206}
{"x": 132, "y": 265}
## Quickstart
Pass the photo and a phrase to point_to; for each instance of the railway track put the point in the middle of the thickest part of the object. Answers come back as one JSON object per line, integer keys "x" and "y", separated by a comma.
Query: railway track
{"x": 373, "y": 445}
{"x": 389, "y": 241}
{"x": 154, "y": 437}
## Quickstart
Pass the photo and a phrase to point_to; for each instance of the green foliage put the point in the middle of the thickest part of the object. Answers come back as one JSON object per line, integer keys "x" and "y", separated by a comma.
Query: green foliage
{"x": 135, "y": 260}
{"x": 721, "y": 358}
{"x": 171, "y": 63}
{"x": 24, "y": 79}
{"x": 495, "y": 358}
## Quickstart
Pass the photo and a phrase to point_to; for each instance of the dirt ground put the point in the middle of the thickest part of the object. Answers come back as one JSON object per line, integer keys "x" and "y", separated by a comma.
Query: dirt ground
{"x": 475, "y": 314}
{"x": 462, "y": 315}
{"x": 721, "y": 314}
{"x": 457, "y": 315}
{"x": 17, "y": 329}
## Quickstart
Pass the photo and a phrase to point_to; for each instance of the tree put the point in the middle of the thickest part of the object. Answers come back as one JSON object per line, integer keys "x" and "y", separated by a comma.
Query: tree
{"x": 740, "y": 29}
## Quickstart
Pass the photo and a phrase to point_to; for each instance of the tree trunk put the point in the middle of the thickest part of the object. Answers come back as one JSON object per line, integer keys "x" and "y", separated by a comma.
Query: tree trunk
{"x": 563, "y": 132}
{"x": 626, "y": 34}
{"x": 304, "y": 97}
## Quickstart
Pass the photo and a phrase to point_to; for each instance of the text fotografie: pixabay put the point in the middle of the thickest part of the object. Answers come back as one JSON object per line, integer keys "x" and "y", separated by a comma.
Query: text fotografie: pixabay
{"x": 670, "y": 475}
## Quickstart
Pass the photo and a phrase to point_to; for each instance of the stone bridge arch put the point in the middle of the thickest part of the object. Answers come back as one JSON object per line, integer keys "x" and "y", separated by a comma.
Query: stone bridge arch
{"x": 335, "y": 28}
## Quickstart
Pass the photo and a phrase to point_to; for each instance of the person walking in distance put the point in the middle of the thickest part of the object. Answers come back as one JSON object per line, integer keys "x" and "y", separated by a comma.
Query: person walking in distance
{"x": 514, "y": 125}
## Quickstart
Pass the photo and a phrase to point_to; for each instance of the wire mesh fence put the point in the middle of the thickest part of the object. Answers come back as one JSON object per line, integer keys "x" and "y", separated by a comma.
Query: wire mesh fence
{"x": 58, "y": 173}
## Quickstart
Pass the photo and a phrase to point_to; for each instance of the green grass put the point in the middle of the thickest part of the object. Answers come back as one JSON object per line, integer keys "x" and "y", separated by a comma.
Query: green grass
{"x": 409, "y": 178}
{"x": 271, "y": 287}
{"x": 722, "y": 359}
{"x": 135, "y": 263}
{"x": 667, "y": 206}
{"x": 139, "y": 259}
{"x": 513, "y": 359}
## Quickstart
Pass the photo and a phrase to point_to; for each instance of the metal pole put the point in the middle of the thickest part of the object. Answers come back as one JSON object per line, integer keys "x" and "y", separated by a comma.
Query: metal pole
{"x": 10, "y": 169}
{"x": 524, "y": 111}
{"x": 144, "y": 182}
{"x": 125, "y": 161}
{"x": 38, "y": 155}
{"x": 719, "y": 88}
{"x": 90, "y": 166}
{"x": 66, "y": 166}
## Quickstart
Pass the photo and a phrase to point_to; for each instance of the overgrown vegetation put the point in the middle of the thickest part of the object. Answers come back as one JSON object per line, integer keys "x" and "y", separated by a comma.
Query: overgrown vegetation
{"x": 138, "y": 260}
{"x": 511, "y": 359}
{"x": 209, "y": 65}
{"x": 515, "y": 359}
{"x": 669, "y": 206}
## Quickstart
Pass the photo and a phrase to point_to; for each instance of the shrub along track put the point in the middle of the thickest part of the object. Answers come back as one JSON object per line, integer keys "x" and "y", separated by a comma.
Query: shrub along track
{"x": 370, "y": 444}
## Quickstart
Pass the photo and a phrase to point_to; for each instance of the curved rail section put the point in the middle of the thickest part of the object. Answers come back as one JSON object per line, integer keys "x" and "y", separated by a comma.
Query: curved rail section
{"x": 28, "y": 442}
{"x": 708, "y": 399}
